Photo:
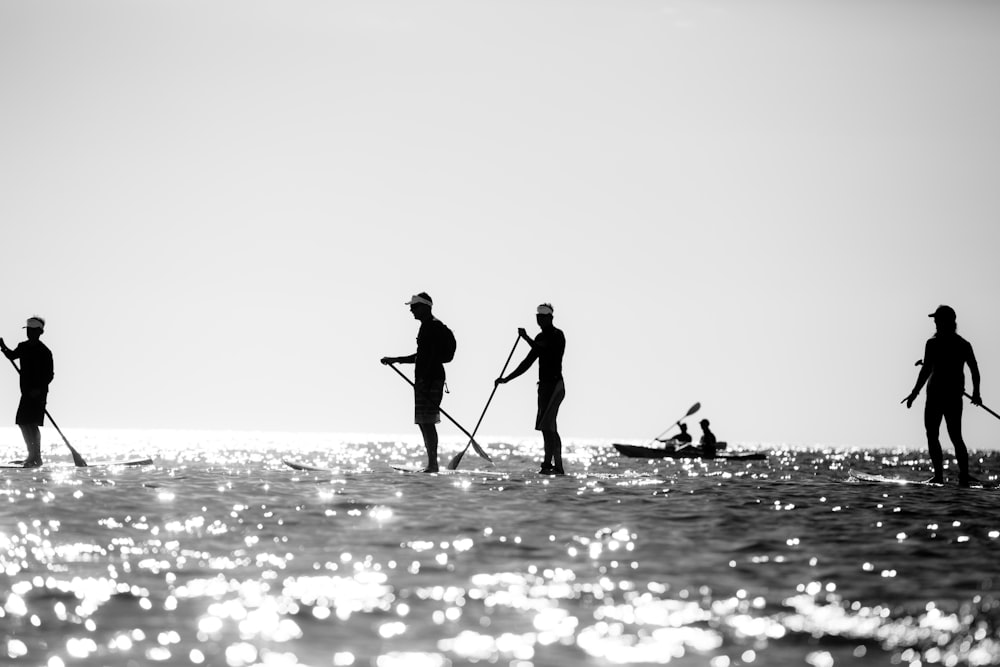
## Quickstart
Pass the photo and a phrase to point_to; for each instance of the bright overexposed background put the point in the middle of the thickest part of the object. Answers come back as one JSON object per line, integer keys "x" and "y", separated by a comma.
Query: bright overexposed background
{"x": 220, "y": 207}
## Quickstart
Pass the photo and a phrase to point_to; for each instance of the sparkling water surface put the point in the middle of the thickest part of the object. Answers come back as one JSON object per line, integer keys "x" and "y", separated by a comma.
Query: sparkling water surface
{"x": 219, "y": 554}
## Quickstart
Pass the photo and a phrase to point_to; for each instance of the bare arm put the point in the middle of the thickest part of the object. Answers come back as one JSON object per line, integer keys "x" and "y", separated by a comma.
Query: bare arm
{"x": 974, "y": 371}
{"x": 408, "y": 359}
{"x": 524, "y": 334}
{"x": 926, "y": 366}
{"x": 9, "y": 353}
{"x": 521, "y": 368}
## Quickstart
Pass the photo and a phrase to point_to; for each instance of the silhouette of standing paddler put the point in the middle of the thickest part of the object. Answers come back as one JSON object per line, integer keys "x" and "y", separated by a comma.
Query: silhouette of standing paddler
{"x": 36, "y": 375}
{"x": 435, "y": 347}
{"x": 946, "y": 355}
{"x": 548, "y": 347}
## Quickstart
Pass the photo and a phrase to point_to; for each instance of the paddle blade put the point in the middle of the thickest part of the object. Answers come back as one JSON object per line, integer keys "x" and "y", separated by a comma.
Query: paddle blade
{"x": 694, "y": 408}
{"x": 77, "y": 459}
{"x": 453, "y": 464}
{"x": 479, "y": 450}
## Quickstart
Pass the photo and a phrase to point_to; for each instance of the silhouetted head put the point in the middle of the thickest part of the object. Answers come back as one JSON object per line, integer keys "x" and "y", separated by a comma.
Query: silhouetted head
{"x": 945, "y": 319}
{"x": 35, "y": 327}
{"x": 543, "y": 315}
{"x": 684, "y": 428}
{"x": 704, "y": 423}
{"x": 421, "y": 305}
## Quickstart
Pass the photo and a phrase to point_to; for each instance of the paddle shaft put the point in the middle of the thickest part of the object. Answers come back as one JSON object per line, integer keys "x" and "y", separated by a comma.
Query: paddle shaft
{"x": 453, "y": 464}
{"x": 447, "y": 416}
{"x": 77, "y": 459}
{"x": 985, "y": 408}
{"x": 693, "y": 409}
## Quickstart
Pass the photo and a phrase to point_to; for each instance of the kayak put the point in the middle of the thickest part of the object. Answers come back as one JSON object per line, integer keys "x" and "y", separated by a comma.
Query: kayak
{"x": 637, "y": 452}
{"x": 673, "y": 444}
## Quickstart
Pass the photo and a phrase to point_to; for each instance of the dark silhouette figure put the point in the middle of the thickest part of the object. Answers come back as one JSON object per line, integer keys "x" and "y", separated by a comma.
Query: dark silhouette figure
{"x": 548, "y": 348}
{"x": 36, "y": 375}
{"x": 682, "y": 438}
{"x": 708, "y": 440}
{"x": 435, "y": 347}
{"x": 943, "y": 371}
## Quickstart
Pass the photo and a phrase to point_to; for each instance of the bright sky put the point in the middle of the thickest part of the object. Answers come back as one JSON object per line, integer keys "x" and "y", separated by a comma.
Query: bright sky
{"x": 220, "y": 207}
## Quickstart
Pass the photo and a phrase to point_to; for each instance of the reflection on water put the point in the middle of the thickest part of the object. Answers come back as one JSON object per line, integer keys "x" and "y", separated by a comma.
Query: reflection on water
{"x": 221, "y": 555}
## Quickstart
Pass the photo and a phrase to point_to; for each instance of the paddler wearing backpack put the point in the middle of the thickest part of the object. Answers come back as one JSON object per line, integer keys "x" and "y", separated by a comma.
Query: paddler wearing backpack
{"x": 435, "y": 347}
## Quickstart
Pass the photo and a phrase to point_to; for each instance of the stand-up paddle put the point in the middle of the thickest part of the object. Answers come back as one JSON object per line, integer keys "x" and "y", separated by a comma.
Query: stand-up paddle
{"x": 472, "y": 439}
{"x": 453, "y": 464}
{"x": 77, "y": 459}
{"x": 693, "y": 409}
{"x": 984, "y": 407}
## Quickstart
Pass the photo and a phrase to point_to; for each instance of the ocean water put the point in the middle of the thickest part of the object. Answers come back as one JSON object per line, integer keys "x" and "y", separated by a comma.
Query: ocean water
{"x": 219, "y": 554}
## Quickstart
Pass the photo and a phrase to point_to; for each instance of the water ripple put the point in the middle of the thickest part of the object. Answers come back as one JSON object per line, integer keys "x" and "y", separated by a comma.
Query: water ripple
{"x": 221, "y": 555}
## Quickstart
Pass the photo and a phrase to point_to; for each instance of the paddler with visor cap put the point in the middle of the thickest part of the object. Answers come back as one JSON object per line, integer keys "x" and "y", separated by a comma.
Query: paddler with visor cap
{"x": 548, "y": 348}
{"x": 36, "y": 373}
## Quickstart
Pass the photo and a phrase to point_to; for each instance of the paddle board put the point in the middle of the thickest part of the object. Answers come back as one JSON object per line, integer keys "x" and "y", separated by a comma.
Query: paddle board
{"x": 295, "y": 465}
{"x": 445, "y": 471}
{"x": 96, "y": 464}
{"x": 900, "y": 481}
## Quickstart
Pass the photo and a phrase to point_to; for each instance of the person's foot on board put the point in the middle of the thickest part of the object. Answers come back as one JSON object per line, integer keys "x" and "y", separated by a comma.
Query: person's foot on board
{"x": 934, "y": 480}
{"x": 32, "y": 463}
{"x": 430, "y": 469}
{"x": 965, "y": 481}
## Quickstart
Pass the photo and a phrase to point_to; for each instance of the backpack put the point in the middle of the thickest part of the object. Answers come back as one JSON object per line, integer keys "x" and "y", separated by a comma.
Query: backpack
{"x": 447, "y": 344}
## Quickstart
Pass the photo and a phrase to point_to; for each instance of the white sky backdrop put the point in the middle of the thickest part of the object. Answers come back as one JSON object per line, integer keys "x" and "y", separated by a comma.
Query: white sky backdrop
{"x": 220, "y": 207}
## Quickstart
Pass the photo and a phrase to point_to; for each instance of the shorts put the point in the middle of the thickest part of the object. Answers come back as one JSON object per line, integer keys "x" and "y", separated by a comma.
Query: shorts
{"x": 427, "y": 396}
{"x": 31, "y": 410}
{"x": 940, "y": 407}
{"x": 550, "y": 397}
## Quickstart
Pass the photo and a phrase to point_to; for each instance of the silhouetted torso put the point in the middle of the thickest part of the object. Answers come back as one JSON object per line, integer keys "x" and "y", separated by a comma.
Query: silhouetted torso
{"x": 430, "y": 341}
{"x": 549, "y": 346}
{"x": 946, "y": 355}
{"x": 36, "y": 365}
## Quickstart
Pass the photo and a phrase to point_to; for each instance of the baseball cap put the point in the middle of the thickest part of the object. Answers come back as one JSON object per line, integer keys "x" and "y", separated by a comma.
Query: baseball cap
{"x": 946, "y": 312}
{"x": 35, "y": 322}
{"x": 545, "y": 309}
{"x": 422, "y": 297}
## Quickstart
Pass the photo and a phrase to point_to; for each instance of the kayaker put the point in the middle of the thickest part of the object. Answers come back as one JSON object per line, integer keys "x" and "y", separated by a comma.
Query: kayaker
{"x": 548, "y": 347}
{"x": 435, "y": 347}
{"x": 36, "y": 375}
{"x": 708, "y": 440}
{"x": 682, "y": 438}
{"x": 946, "y": 354}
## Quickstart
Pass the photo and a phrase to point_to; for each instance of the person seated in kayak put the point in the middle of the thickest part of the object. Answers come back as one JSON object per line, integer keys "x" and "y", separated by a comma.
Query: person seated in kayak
{"x": 708, "y": 440}
{"x": 682, "y": 438}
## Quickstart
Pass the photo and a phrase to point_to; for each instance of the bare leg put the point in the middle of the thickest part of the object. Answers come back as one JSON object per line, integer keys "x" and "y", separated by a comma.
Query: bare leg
{"x": 33, "y": 440}
{"x": 557, "y": 453}
{"x": 932, "y": 424}
{"x": 547, "y": 449}
{"x": 553, "y": 452}
{"x": 953, "y": 421}
{"x": 429, "y": 431}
